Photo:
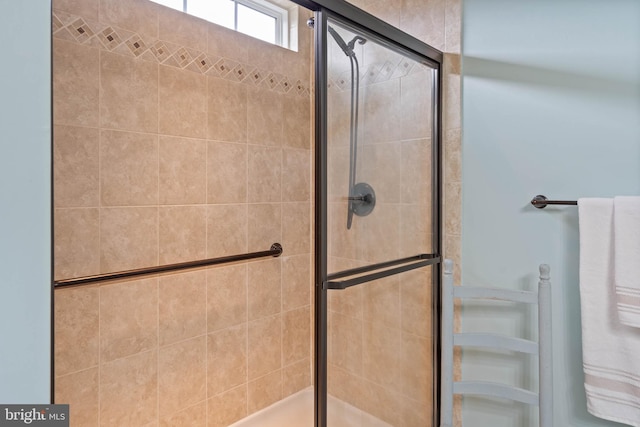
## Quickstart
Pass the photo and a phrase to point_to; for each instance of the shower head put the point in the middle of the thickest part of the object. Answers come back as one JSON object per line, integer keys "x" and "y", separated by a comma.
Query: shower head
{"x": 347, "y": 48}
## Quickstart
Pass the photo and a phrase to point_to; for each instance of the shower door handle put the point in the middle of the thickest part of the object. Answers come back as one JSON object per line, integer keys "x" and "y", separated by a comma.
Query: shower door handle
{"x": 380, "y": 270}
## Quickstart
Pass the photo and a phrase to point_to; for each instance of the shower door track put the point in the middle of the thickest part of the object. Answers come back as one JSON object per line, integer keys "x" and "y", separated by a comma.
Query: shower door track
{"x": 387, "y": 35}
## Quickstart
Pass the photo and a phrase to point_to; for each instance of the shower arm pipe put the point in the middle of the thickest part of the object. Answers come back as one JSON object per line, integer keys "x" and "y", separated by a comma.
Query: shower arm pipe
{"x": 275, "y": 251}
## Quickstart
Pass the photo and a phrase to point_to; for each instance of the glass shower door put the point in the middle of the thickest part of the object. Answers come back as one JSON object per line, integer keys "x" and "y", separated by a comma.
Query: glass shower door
{"x": 381, "y": 231}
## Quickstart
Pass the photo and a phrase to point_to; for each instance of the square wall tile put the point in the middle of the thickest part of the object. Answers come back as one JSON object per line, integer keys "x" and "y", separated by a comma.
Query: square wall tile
{"x": 128, "y": 238}
{"x": 76, "y": 242}
{"x": 381, "y": 300}
{"x": 227, "y": 43}
{"x": 417, "y": 96}
{"x": 226, "y": 359}
{"x": 380, "y": 107}
{"x": 345, "y": 343}
{"x": 453, "y": 25}
{"x": 349, "y": 301}
{"x": 180, "y": 28}
{"x": 75, "y": 84}
{"x": 128, "y": 318}
{"x": 453, "y": 156}
{"x": 381, "y": 402}
{"x": 378, "y": 234}
{"x": 452, "y": 89}
{"x": 193, "y": 416}
{"x": 415, "y": 230}
{"x": 133, "y": 15}
{"x": 182, "y": 306}
{"x": 128, "y": 168}
{"x": 129, "y": 390}
{"x": 183, "y": 231}
{"x": 416, "y": 163}
{"x": 415, "y": 302}
{"x": 226, "y": 296}
{"x": 424, "y": 19}
{"x": 182, "y": 170}
{"x": 264, "y": 391}
{"x": 226, "y": 172}
{"x": 296, "y": 175}
{"x": 296, "y": 228}
{"x": 76, "y": 172}
{"x": 297, "y": 122}
{"x": 264, "y": 117}
{"x": 182, "y": 375}
{"x": 227, "y": 110}
{"x": 265, "y": 55}
{"x": 452, "y": 205}
{"x": 380, "y": 355}
{"x": 296, "y": 377}
{"x": 86, "y": 8}
{"x": 296, "y": 330}
{"x": 226, "y": 230}
{"x": 296, "y": 281}
{"x": 379, "y": 166}
{"x": 128, "y": 92}
{"x": 76, "y": 329}
{"x": 264, "y": 288}
{"x": 265, "y": 346}
{"x": 226, "y": 408}
{"x": 265, "y": 226}
{"x": 182, "y": 102}
{"x": 80, "y": 391}
{"x": 416, "y": 372}
{"x": 265, "y": 174}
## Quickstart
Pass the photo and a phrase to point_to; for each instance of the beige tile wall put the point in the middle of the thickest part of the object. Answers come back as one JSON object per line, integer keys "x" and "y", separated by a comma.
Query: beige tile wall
{"x": 197, "y": 120}
{"x": 175, "y": 140}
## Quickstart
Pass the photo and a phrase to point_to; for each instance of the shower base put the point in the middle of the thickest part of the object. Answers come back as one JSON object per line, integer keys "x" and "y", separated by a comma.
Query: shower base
{"x": 297, "y": 411}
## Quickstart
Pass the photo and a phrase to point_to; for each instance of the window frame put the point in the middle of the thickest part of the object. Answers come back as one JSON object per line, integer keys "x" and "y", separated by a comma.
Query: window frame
{"x": 280, "y": 14}
{"x": 265, "y": 7}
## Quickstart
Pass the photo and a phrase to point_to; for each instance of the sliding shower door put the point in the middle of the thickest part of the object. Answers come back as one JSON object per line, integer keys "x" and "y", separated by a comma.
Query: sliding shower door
{"x": 380, "y": 242}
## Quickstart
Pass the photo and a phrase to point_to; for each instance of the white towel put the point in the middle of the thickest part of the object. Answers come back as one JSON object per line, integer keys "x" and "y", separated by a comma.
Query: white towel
{"x": 626, "y": 220}
{"x": 610, "y": 350}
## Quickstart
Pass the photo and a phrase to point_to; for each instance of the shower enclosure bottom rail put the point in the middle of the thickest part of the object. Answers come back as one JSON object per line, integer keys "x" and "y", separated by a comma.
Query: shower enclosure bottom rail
{"x": 410, "y": 263}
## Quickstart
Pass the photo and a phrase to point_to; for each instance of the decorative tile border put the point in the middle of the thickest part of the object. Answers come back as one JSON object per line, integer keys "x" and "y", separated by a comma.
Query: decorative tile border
{"x": 74, "y": 28}
{"x": 377, "y": 73}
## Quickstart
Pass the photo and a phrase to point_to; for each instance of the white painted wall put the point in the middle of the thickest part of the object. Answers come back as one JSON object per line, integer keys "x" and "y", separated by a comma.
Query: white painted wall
{"x": 25, "y": 201}
{"x": 551, "y": 105}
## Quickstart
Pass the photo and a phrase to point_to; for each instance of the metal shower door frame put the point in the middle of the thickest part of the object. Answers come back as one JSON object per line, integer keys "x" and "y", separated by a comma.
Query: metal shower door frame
{"x": 395, "y": 39}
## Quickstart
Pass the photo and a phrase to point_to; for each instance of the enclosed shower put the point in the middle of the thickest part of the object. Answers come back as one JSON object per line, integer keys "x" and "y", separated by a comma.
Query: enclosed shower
{"x": 245, "y": 233}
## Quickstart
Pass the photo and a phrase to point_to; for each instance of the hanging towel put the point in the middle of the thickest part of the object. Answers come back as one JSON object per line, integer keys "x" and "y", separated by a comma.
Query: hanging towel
{"x": 626, "y": 220}
{"x": 610, "y": 350}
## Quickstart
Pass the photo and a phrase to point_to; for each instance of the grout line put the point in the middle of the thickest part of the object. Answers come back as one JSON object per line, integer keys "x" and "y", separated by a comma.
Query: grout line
{"x": 99, "y": 233}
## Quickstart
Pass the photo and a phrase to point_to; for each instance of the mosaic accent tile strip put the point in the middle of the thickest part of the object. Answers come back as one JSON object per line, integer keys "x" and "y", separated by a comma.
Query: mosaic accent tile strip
{"x": 376, "y": 73}
{"x": 77, "y": 29}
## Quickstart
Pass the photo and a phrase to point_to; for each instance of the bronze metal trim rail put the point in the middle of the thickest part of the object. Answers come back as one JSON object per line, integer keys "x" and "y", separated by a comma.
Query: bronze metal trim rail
{"x": 541, "y": 202}
{"x": 274, "y": 251}
{"x": 406, "y": 264}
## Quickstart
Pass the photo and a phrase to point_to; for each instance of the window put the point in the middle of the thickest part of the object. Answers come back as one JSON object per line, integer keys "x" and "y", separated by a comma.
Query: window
{"x": 257, "y": 18}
